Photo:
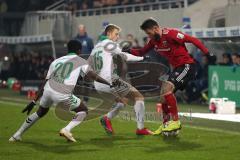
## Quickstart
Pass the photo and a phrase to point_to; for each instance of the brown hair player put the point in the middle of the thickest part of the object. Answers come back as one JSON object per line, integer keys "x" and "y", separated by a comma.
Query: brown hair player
{"x": 170, "y": 43}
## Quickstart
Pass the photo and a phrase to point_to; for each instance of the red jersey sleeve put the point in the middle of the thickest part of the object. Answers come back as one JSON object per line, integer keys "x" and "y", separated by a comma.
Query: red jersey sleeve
{"x": 182, "y": 38}
{"x": 144, "y": 50}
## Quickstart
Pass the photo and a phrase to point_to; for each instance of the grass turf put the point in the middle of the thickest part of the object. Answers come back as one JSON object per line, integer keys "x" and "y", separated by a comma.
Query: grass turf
{"x": 199, "y": 139}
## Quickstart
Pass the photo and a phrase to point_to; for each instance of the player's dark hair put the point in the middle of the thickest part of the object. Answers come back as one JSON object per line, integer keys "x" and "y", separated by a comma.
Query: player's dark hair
{"x": 74, "y": 46}
{"x": 110, "y": 28}
{"x": 149, "y": 24}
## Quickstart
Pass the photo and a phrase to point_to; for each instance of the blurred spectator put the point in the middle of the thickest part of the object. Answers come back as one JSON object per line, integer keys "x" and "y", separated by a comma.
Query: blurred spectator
{"x": 195, "y": 88}
{"x": 4, "y": 72}
{"x": 3, "y": 6}
{"x": 72, "y": 6}
{"x": 133, "y": 41}
{"x": 28, "y": 66}
{"x": 125, "y": 2}
{"x": 87, "y": 42}
{"x": 235, "y": 59}
{"x": 227, "y": 61}
{"x": 97, "y": 4}
{"x": 238, "y": 59}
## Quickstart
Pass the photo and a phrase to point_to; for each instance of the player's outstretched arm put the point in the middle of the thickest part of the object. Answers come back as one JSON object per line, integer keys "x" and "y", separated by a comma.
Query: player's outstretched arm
{"x": 93, "y": 76}
{"x": 182, "y": 38}
{"x": 197, "y": 43}
{"x": 130, "y": 57}
{"x": 139, "y": 52}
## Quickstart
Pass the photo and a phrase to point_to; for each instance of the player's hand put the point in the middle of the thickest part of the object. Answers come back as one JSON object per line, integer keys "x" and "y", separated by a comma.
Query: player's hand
{"x": 29, "y": 107}
{"x": 146, "y": 58}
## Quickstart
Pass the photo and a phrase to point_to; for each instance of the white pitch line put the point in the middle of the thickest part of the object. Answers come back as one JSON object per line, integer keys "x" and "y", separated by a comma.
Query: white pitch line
{"x": 14, "y": 99}
{"x": 11, "y": 103}
{"x": 213, "y": 130}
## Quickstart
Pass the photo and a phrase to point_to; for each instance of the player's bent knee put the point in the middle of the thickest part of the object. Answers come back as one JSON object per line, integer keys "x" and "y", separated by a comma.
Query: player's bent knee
{"x": 166, "y": 88}
{"x": 42, "y": 111}
{"x": 136, "y": 95}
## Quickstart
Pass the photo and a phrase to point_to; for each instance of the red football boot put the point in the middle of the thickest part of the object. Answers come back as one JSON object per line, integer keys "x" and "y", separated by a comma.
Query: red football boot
{"x": 143, "y": 131}
{"x": 107, "y": 125}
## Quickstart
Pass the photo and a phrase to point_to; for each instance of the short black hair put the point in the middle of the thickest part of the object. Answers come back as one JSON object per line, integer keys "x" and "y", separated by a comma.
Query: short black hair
{"x": 74, "y": 46}
{"x": 149, "y": 24}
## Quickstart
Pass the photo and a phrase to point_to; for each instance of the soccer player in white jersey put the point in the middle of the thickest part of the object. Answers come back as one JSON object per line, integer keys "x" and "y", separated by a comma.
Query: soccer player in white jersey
{"x": 57, "y": 88}
{"x": 101, "y": 59}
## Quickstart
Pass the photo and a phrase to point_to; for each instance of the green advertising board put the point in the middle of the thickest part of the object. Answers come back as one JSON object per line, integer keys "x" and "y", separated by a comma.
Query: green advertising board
{"x": 224, "y": 81}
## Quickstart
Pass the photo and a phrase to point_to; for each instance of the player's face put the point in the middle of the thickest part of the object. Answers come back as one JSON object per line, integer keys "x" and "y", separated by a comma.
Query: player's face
{"x": 114, "y": 35}
{"x": 151, "y": 32}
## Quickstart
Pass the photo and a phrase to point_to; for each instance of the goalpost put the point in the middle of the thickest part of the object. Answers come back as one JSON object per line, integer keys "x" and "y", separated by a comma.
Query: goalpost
{"x": 29, "y": 40}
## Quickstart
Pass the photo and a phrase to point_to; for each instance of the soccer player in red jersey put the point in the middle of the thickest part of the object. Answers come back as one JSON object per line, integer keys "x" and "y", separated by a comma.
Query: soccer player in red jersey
{"x": 170, "y": 43}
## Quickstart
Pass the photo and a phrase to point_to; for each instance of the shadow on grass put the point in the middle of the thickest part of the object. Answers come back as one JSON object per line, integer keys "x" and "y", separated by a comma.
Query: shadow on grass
{"x": 63, "y": 148}
{"x": 108, "y": 141}
{"x": 173, "y": 144}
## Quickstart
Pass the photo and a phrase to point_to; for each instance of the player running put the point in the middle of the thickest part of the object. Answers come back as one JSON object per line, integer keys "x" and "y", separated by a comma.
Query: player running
{"x": 102, "y": 60}
{"x": 58, "y": 86}
{"x": 170, "y": 43}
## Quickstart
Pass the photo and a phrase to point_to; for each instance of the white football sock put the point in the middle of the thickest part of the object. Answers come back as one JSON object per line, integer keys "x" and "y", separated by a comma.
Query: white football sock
{"x": 115, "y": 110}
{"x": 27, "y": 124}
{"x": 139, "y": 108}
{"x": 78, "y": 118}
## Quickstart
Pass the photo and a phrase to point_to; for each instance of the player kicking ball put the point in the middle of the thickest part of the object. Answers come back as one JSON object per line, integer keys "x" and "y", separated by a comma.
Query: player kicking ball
{"x": 102, "y": 60}
{"x": 57, "y": 88}
{"x": 170, "y": 43}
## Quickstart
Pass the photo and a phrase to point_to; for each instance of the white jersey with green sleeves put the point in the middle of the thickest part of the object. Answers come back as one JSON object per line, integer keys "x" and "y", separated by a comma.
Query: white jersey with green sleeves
{"x": 102, "y": 59}
{"x": 63, "y": 73}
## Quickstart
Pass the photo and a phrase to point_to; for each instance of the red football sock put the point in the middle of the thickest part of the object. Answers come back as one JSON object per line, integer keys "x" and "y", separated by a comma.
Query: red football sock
{"x": 172, "y": 103}
{"x": 166, "y": 115}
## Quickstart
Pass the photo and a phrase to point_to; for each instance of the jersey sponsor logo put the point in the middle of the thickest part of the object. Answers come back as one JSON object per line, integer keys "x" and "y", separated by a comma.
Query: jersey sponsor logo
{"x": 157, "y": 49}
{"x": 162, "y": 49}
{"x": 180, "y": 35}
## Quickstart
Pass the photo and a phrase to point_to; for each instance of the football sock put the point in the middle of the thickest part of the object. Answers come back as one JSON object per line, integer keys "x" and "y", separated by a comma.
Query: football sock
{"x": 115, "y": 110}
{"x": 166, "y": 115}
{"x": 139, "y": 108}
{"x": 27, "y": 124}
{"x": 77, "y": 119}
{"x": 172, "y": 103}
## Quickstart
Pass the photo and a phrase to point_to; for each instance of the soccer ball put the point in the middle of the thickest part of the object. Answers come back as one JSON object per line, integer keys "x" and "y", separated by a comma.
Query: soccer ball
{"x": 172, "y": 133}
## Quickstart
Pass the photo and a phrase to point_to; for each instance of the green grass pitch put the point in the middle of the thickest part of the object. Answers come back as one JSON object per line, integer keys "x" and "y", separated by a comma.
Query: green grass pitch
{"x": 199, "y": 139}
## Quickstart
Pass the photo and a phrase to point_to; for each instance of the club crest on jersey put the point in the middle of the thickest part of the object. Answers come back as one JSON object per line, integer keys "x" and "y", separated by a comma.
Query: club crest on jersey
{"x": 165, "y": 31}
{"x": 180, "y": 35}
{"x": 165, "y": 43}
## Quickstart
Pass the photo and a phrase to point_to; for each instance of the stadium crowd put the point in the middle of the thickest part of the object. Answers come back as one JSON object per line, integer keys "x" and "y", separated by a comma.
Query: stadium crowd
{"x": 26, "y": 66}
{"x": 85, "y": 4}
